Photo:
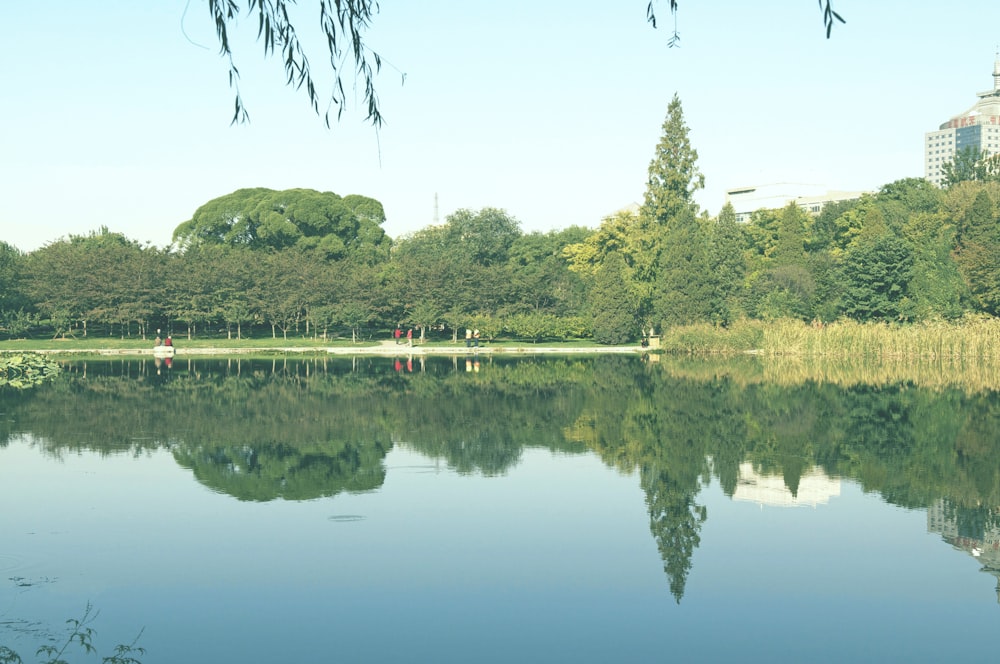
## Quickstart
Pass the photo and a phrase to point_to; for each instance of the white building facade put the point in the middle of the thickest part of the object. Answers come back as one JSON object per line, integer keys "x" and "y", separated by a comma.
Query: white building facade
{"x": 810, "y": 197}
{"x": 977, "y": 128}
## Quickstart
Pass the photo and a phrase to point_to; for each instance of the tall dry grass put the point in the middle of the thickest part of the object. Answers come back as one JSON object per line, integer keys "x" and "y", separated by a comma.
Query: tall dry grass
{"x": 938, "y": 354}
{"x": 971, "y": 338}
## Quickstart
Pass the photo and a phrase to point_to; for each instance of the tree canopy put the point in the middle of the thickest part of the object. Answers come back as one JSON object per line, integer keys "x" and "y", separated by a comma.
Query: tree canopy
{"x": 303, "y": 218}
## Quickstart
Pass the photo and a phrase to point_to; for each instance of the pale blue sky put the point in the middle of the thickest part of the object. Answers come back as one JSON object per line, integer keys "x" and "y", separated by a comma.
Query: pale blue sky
{"x": 550, "y": 110}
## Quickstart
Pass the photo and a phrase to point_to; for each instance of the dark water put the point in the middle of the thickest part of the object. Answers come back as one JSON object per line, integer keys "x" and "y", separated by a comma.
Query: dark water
{"x": 455, "y": 510}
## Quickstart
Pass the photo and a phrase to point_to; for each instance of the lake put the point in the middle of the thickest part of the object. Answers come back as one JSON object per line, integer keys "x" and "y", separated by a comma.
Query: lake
{"x": 489, "y": 509}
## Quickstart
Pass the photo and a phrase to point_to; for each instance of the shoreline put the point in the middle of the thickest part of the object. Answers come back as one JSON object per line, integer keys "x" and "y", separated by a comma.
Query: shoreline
{"x": 384, "y": 349}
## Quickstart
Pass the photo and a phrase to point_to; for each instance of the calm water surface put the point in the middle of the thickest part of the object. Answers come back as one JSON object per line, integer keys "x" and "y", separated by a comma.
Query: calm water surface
{"x": 588, "y": 510}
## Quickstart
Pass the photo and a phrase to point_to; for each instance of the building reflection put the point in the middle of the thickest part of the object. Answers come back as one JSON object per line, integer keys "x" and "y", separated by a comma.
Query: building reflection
{"x": 815, "y": 488}
{"x": 974, "y": 530}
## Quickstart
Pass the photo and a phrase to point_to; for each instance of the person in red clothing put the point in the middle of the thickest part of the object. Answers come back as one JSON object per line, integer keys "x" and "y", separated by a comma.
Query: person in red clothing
{"x": 409, "y": 336}
{"x": 169, "y": 341}
{"x": 399, "y": 333}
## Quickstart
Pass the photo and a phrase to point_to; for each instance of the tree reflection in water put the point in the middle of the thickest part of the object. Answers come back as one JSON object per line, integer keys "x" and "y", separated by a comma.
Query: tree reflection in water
{"x": 299, "y": 429}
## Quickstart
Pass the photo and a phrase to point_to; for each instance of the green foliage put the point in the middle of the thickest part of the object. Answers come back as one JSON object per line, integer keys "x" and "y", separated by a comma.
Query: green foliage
{"x": 540, "y": 274}
{"x": 729, "y": 244}
{"x": 978, "y": 252}
{"x": 24, "y": 370}
{"x": 936, "y": 288}
{"x": 673, "y": 175}
{"x": 614, "y": 306}
{"x": 484, "y": 237}
{"x": 11, "y": 260}
{"x": 303, "y": 218}
{"x": 17, "y": 324}
{"x": 456, "y": 271}
{"x": 539, "y": 326}
{"x": 684, "y": 288}
{"x": 100, "y": 275}
{"x": 969, "y": 165}
{"x": 877, "y": 274}
{"x": 790, "y": 245}
{"x": 784, "y": 291}
{"x": 783, "y": 285}
{"x": 308, "y": 263}
{"x": 79, "y": 637}
{"x": 908, "y": 196}
{"x": 827, "y": 227}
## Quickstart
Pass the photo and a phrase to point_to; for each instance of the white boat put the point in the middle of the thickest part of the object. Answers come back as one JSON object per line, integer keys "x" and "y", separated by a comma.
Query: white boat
{"x": 163, "y": 351}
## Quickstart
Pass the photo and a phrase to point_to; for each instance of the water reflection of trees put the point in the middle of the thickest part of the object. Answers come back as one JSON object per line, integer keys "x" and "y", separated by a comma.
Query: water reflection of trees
{"x": 260, "y": 430}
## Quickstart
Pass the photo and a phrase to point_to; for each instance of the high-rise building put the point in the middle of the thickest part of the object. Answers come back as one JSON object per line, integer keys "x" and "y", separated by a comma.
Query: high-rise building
{"x": 977, "y": 128}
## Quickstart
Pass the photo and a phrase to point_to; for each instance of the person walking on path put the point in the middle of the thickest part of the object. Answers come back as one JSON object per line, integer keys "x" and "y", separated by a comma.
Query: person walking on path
{"x": 475, "y": 337}
{"x": 398, "y": 334}
{"x": 409, "y": 337}
{"x": 468, "y": 337}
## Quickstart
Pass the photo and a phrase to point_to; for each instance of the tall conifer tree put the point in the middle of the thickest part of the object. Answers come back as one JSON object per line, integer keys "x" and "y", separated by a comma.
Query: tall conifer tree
{"x": 673, "y": 172}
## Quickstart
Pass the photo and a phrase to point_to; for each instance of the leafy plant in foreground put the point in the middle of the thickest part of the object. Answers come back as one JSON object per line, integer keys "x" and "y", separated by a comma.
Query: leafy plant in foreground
{"x": 80, "y": 637}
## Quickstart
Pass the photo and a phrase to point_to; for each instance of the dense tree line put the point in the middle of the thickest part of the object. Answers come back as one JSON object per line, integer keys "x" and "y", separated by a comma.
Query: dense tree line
{"x": 317, "y": 264}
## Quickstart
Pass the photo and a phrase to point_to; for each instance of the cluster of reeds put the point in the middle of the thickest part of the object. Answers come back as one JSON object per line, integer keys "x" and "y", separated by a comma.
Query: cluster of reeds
{"x": 972, "y": 338}
{"x": 937, "y": 354}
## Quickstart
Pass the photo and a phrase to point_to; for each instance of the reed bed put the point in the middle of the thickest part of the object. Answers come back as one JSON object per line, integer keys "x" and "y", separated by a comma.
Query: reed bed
{"x": 973, "y": 338}
{"x": 936, "y": 355}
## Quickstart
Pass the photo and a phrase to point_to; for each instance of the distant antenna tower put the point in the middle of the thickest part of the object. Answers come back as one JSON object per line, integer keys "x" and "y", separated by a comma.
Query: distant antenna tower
{"x": 435, "y": 209}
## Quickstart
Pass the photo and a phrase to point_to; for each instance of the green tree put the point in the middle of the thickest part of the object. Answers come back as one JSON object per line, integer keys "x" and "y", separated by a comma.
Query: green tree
{"x": 827, "y": 228}
{"x": 877, "y": 272}
{"x": 11, "y": 264}
{"x": 212, "y": 284}
{"x": 728, "y": 266}
{"x": 970, "y": 165}
{"x": 303, "y": 218}
{"x": 790, "y": 245}
{"x": 100, "y": 277}
{"x": 673, "y": 175}
{"x": 483, "y": 237}
{"x": 614, "y": 306}
{"x": 683, "y": 291}
{"x": 634, "y": 243}
{"x": 540, "y": 272}
{"x": 936, "y": 288}
{"x": 900, "y": 199}
{"x": 978, "y": 252}
{"x": 459, "y": 269}
{"x": 786, "y": 287}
